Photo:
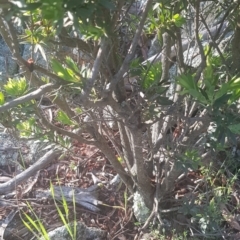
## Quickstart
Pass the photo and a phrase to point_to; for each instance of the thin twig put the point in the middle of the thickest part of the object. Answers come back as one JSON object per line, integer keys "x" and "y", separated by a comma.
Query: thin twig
{"x": 95, "y": 70}
{"x": 203, "y": 57}
{"x": 215, "y": 45}
{"x": 132, "y": 48}
{"x": 64, "y": 132}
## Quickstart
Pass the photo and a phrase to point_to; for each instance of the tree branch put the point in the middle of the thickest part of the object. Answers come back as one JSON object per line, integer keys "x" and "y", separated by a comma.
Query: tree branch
{"x": 35, "y": 94}
{"x": 62, "y": 131}
{"x": 166, "y": 56}
{"x": 203, "y": 57}
{"x": 109, "y": 153}
{"x": 95, "y": 70}
{"x": 143, "y": 181}
{"x": 40, "y": 164}
{"x": 72, "y": 42}
{"x": 215, "y": 45}
{"x": 131, "y": 52}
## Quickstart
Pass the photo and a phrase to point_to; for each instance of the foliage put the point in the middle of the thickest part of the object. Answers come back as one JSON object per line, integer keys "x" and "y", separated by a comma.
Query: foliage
{"x": 16, "y": 87}
{"x": 159, "y": 138}
{"x": 62, "y": 13}
{"x": 216, "y": 96}
{"x": 63, "y": 118}
{"x": 70, "y": 73}
{"x": 2, "y": 98}
{"x": 189, "y": 160}
{"x": 164, "y": 18}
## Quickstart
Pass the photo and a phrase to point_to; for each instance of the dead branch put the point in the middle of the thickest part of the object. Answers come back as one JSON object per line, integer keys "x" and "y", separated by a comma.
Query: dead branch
{"x": 40, "y": 164}
{"x": 83, "y": 197}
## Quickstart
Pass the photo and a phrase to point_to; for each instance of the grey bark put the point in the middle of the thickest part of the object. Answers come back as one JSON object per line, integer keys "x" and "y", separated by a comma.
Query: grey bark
{"x": 40, "y": 164}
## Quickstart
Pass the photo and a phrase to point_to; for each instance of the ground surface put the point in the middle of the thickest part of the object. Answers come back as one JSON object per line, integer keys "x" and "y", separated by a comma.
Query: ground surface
{"x": 85, "y": 166}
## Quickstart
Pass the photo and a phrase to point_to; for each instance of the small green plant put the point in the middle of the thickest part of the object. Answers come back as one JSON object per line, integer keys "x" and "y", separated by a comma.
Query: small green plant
{"x": 65, "y": 218}
{"x": 35, "y": 225}
{"x": 2, "y": 98}
{"x": 190, "y": 159}
{"x": 205, "y": 210}
{"x": 16, "y": 87}
{"x": 63, "y": 118}
{"x": 156, "y": 235}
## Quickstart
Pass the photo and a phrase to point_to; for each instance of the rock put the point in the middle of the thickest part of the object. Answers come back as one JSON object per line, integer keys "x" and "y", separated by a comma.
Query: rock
{"x": 10, "y": 149}
{"x": 37, "y": 149}
{"x": 38, "y": 56}
{"x": 155, "y": 46}
{"x": 8, "y": 66}
{"x": 82, "y": 233}
{"x": 140, "y": 210}
{"x": 10, "y": 155}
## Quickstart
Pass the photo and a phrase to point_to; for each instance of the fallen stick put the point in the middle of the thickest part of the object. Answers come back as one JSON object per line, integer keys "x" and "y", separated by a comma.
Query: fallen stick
{"x": 23, "y": 176}
{"x": 84, "y": 197}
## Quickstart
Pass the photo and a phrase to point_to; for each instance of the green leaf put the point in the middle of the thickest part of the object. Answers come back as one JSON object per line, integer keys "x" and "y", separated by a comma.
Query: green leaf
{"x": 178, "y": 20}
{"x": 52, "y": 10}
{"x": 225, "y": 87}
{"x": 208, "y": 75}
{"x": 234, "y": 128}
{"x": 187, "y": 81}
{"x": 160, "y": 90}
{"x": 16, "y": 87}
{"x": 84, "y": 13}
{"x": 59, "y": 26}
{"x": 63, "y": 118}
{"x": 57, "y": 67}
{"x": 64, "y": 220}
{"x": 65, "y": 73}
{"x": 2, "y": 98}
{"x": 35, "y": 223}
{"x": 198, "y": 96}
{"x": 32, "y": 6}
{"x": 151, "y": 75}
{"x": 25, "y": 127}
{"x": 203, "y": 92}
{"x": 234, "y": 83}
{"x": 78, "y": 110}
{"x": 71, "y": 64}
{"x": 32, "y": 222}
{"x": 222, "y": 100}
